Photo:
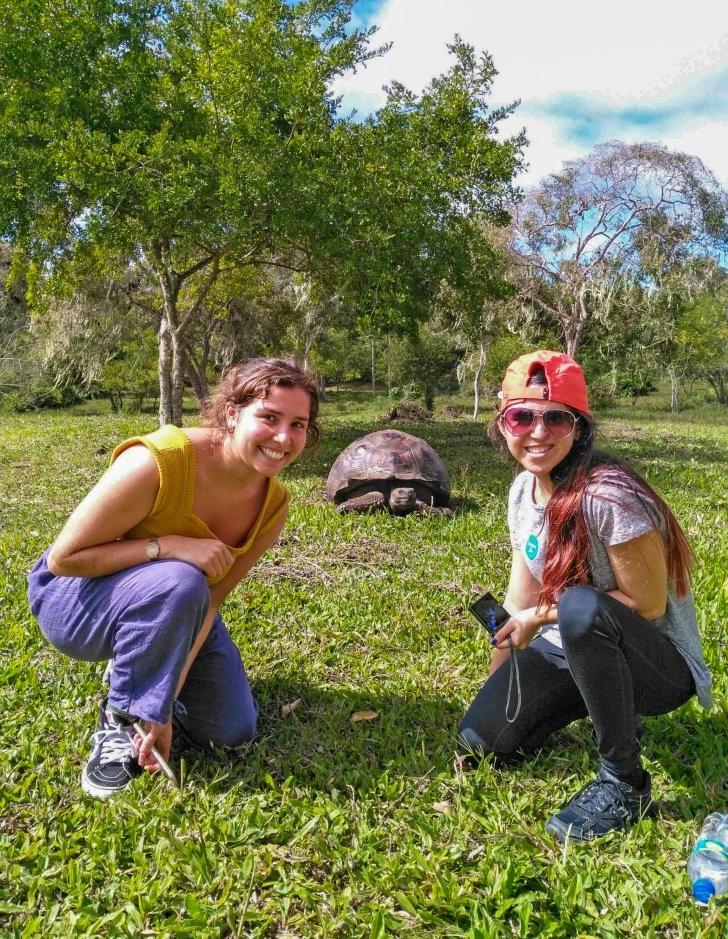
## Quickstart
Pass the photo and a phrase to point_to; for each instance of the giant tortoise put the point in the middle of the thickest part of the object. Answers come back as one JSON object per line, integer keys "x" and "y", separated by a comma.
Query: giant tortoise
{"x": 389, "y": 469}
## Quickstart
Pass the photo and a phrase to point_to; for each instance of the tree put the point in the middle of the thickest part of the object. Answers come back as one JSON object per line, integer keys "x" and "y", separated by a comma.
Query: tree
{"x": 13, "y": 312}
{"x": 582, "y": 231}
{"x": 423, "y": 175}
{"x": 422, "y": 363}
{"x": 480, "y": 312}
{"x": 179, "y": 137}
{"x": 191, "y": 141}
{"x": 700, "y": 341}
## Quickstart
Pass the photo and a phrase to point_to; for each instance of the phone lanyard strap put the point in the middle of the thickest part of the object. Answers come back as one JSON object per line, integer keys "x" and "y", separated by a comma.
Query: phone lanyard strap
{"x": 514, "y": 675}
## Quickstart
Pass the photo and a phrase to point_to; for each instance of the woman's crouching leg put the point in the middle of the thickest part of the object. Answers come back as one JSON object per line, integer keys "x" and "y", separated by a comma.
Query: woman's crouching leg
{"x": 144, "y": 617}
{"x": 162, "y": 606}
{"x": 549, "y": 701}
{"x": 216, "y": 706}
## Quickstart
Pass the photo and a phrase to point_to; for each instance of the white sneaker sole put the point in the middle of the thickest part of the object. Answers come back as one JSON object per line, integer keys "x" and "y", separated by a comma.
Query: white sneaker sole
{"x": 98, "y": 792}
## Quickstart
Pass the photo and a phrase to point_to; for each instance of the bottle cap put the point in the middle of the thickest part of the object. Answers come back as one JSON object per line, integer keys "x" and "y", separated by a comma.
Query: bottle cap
{"x": 703, "y": 890}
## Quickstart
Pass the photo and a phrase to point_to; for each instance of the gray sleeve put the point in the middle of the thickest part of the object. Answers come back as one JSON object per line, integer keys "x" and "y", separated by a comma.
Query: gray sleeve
{"x": 515, "y": 498}
{"x": 617, "y": 512}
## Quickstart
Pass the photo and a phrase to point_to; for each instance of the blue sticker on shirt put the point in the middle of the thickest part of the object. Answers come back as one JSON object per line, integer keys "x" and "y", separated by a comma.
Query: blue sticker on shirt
{"x": 531, "y": 549}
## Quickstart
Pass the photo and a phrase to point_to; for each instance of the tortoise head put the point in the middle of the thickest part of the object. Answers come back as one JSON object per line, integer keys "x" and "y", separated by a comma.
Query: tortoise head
{"x": 402, "y": 500}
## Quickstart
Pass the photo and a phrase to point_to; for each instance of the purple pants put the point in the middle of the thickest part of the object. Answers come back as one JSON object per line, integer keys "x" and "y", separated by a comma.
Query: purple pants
{"x": 146, "y": 618}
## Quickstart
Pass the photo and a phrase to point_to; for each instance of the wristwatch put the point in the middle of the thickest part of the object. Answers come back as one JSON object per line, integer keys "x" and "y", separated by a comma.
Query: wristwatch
{"x": 152, "y": 549}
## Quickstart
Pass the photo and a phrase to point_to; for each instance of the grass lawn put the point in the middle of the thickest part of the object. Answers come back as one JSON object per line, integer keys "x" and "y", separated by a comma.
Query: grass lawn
{"x": 334, "y": 827}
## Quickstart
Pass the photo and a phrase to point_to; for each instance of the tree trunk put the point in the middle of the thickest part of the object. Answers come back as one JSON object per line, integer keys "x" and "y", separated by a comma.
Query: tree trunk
{"x": 476, "y": 378}
{"x": 613, "y": 383}
{"x": 674, "y": 391}
{"x": 173, "y": 329}
{"x": 177, "y": 376}
{"x": 170, "y": 350}
{"x": 199, "y": 386}
{"x": 196, "y": 370}
{"x": 572, "y": 336}
{"x": 374, "y": 377}
{"x": 719, "y": 383}
{"x": 573, "y": 344}
{"x": 574, "y": 324}
{"x": 165, "y": 374}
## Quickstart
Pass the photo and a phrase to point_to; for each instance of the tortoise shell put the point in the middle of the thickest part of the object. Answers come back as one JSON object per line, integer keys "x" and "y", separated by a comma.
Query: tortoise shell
{"x": 387, "y": 457}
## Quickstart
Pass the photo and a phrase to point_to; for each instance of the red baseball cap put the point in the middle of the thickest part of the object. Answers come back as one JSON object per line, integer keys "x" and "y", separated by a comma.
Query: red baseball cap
{"x": 565, "y": 382}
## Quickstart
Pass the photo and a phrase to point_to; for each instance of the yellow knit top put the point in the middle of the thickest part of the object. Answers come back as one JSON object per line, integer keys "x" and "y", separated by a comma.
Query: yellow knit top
{"x": 172, "y": 512}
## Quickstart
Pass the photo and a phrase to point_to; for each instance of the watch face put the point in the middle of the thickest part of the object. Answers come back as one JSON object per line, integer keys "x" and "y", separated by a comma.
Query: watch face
{"x": 152, "y": 550}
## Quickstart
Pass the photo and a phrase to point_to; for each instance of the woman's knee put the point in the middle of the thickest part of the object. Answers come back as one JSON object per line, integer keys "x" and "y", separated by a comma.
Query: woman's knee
{"x": 239, "y": 734}
{"x": 184, "y": 581}
{"x": 506, "y": 752}
{"x": 172, "y": 590}
{"x": 480, "y": 736}
{"x": 236, "y": 730}
{"x": 578, "y": 609}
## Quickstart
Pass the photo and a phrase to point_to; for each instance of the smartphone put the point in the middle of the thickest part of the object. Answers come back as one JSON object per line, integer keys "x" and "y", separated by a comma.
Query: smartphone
{"x": 489, "y": 612}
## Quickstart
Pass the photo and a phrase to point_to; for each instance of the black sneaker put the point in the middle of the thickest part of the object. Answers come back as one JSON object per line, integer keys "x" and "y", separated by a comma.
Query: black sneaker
{"x": 112, "y": 764}
{"x": 603, "y": 805}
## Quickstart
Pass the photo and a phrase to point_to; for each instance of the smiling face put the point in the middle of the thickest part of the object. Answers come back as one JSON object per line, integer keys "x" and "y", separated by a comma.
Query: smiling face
{"x": 538, "y": 450}
{"x": 267, "y": 434}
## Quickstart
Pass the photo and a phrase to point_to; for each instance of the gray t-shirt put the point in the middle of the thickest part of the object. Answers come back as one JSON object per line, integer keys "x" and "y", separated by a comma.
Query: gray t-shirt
{"x": 615, "y": 513}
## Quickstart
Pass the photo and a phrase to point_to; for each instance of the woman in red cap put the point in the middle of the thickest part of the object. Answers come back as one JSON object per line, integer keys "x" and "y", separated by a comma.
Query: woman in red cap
{"x": 602, "y": 620}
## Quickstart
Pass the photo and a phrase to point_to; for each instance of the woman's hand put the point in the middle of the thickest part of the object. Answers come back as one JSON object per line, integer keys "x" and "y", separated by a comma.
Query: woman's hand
{"x": 157, "y": 735}
{"x": 521, "y": 628}
{"x": 211, "y": 556}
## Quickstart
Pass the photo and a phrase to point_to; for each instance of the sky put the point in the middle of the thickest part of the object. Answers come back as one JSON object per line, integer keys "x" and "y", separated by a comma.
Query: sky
{"x": 585, "y": 73}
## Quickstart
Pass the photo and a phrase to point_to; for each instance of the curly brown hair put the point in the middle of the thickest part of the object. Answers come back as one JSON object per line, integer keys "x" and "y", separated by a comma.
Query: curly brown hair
{"x": 246, "y": 381}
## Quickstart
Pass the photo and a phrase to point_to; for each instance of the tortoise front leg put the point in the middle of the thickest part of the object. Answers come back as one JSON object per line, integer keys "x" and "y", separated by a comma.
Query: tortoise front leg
{"x": 369, "y": 502}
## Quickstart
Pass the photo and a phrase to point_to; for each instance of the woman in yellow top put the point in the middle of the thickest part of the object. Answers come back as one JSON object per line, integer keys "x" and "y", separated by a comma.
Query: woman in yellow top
{"x": 142, "y": 565}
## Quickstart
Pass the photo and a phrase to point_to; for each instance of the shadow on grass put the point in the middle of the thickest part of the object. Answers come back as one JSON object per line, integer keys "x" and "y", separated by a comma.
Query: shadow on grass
{"x": 320, "y": 747}
{"x": 318, "y": 744}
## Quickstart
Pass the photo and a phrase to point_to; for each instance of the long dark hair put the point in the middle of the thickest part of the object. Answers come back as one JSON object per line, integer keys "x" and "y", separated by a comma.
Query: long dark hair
{"x": 567, "y": 553}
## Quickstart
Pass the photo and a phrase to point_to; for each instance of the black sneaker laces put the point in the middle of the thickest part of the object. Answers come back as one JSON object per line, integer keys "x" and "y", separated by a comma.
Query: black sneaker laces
{"x": 600, "y": 794}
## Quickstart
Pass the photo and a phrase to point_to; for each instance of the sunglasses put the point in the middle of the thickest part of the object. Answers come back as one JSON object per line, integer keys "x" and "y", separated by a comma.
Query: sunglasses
{"x": 518, "y": 420}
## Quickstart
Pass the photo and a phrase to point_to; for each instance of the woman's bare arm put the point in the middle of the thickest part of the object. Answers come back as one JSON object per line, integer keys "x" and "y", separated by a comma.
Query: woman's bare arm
{"x": 521, "y": 595}
{"x": 92, "y": 543}
{"x": 523, "y": 589}
{"x": 526, "y": 616}
{"x": 640, "y": 570}
{"x": 89, "y": 545}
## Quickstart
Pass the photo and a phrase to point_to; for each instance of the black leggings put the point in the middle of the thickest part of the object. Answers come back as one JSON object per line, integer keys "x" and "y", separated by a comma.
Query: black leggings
{"x": 614, "y": 665}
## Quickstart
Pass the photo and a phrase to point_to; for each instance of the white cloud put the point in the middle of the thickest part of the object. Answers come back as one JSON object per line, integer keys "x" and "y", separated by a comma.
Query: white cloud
{"x": 626, "y": 53}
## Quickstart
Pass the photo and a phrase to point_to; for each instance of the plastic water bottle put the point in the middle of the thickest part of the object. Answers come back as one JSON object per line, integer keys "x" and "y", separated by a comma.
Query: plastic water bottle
{"x": 708, "y": 863}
